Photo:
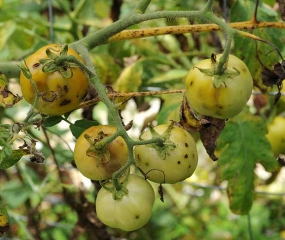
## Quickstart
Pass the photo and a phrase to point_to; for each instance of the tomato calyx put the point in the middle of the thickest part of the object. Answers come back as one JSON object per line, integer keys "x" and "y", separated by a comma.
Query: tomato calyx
{"x": 219, "y": 80}
{"x": 99, "y": 152}
{"x": 117, "y": 187}
{"x": 50, "y": 64}
{"x": 164, "y": 145}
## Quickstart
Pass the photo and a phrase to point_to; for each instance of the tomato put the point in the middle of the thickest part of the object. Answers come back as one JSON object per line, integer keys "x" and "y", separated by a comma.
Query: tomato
{"x": 178, "y": 165}
{"x": 223, "y": 102}
{"x": 58, "y": 95}
{"x": 276, "y": 135}
{"x": 132, "y": 211}
{"x": 96, "y": 166}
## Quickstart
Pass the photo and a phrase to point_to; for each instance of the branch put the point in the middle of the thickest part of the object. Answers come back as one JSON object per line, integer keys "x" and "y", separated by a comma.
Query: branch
{"x": 128, "y": 95}
{"x": 150, "y": 32}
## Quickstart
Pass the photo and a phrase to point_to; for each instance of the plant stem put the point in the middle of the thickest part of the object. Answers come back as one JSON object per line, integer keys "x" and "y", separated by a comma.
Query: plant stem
{"x": 142, "y": 6}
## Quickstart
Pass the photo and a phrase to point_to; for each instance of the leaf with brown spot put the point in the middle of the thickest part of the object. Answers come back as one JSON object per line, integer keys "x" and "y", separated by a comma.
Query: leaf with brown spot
{"x": 210, "y": 134}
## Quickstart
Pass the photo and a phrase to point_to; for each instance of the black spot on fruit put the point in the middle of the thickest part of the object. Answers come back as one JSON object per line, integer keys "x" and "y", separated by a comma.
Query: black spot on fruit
{"x": 65, "y": 88}
{"x": 186, "y": 145}
{"x": 36, "y": 65}
{"x": 186, "y": 156}
{"x": 178, "y": 162}
{"x": 65, "y": 102}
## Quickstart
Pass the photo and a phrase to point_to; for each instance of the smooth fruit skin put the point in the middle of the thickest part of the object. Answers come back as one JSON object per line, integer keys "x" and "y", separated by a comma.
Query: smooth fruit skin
{"x": 179, "y": 165}
{"x": 132, "y": 211}
{"x": 276, "y": 135}
{"x": 70, "y": 91}
{"x": 222, "y": 102}
{"x": 92, "y": 168}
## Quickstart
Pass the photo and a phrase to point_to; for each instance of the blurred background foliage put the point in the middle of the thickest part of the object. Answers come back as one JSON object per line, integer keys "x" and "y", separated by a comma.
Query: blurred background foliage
{"x": 52, "y": 200}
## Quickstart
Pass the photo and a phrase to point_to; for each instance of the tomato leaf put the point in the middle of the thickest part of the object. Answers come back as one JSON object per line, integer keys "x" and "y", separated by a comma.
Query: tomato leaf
{"x": 8, "y": 160}
{"x": 243, "y": 144}
{"x": 169, "y": 109}
{"x": 245, "y": 49}
{"x": 80, "y": 125}
{"x": 51, "y": 121}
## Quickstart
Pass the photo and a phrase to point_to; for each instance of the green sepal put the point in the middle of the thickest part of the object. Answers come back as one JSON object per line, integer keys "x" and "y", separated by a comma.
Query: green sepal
{"x": 166, "y": 146}
{"x": 101, "y": 153}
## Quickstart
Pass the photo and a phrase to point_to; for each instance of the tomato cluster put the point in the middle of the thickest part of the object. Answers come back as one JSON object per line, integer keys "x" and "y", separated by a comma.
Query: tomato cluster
{"x": 171, "y": 161}
{"x": 171, "y": 158}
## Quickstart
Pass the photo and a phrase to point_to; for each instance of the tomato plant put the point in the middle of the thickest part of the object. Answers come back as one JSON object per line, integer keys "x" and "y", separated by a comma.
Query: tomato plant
{"x": 173, "y": 165}
{"x": 276, "y": 135}
{"x": 99, "y": 164}
{"x": 61, "y": 89}
{"x": 130, "y": 212}
{"x": 223, "y": 101}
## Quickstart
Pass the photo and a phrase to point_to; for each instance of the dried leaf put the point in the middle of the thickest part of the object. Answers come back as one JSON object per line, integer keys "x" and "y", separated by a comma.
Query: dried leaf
{"x": 210, "y": 134}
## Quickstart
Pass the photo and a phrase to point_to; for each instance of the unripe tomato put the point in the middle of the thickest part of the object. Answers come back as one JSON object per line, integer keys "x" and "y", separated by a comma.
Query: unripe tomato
{"x": 101, "y": 169}
{"x": 132, "y": 211}
{"x": 225, "y": 101}
{"x": 59, "y": 95}
{"x": 175, "y": 167}
{"x": 276, "y": 135}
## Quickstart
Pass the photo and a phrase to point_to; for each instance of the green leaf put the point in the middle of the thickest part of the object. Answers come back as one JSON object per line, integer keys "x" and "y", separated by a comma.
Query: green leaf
{"x": 130, "y": 78}
{"x": 15, "y": 194}
{"x": 7, "y": 161}
{"x": 80, "y": 125}
{"x": 170, "y": 108}
{"x": 175, "y": 74}
{"x": 243, "y": 144}
{"x": 51, "y": 121}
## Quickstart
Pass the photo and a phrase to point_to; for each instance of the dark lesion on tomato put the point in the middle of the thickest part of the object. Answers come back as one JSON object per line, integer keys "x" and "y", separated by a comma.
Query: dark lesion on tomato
{"x": 65, "y": 102}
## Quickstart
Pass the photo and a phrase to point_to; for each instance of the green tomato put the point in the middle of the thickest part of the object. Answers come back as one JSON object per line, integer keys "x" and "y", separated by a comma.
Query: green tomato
{"x": 276, "y": 135}
{"x": 225, "y": 101}
{"x": 178, "y": 165}
{"x": 132, "y": 211}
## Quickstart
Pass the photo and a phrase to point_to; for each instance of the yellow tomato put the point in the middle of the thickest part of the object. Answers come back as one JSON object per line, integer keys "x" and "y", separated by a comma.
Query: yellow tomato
{"x": 276, "y": 135}
{"x": 224, "y": 101}
{"x": 95, "y": 166}
{"x": 58, "y": 95}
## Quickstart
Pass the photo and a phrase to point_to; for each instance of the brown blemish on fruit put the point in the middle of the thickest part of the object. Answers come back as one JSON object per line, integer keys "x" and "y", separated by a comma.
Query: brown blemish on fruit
{"x": 178, "y": 162}
{"x": 65, "y": 88}
{"x": 36, "y": 65}
{"x": 186, "y": 156}
{"x": 186, "y": 145}
{"x": 65, "y": 102}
